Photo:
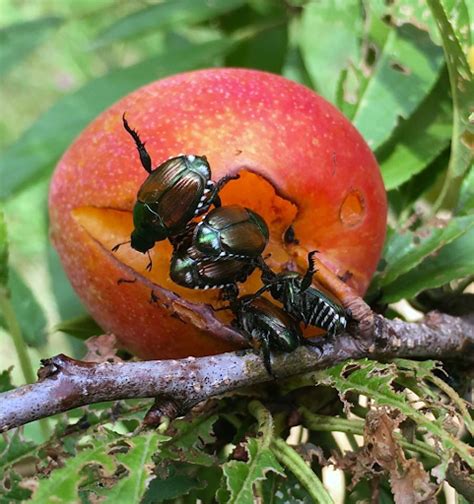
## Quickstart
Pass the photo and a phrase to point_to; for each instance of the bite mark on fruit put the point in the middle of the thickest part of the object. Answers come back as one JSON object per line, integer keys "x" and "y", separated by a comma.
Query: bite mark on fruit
{"x": 352, "y": 210}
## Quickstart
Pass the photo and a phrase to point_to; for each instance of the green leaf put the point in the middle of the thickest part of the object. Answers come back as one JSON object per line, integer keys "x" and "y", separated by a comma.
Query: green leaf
{"x": 329, "y": 41}
{"x": 62, "y": 485}
{"x": 3, "y": 251}
{"x": 175, "y": 484}
{"x": 462, "y": 92}
{"x": 455, "y": 260}
{"x": 169, "y": 13}
{"x": 138, "y": 462}
{"x": 404, "y": 74}
{"x": 403, "y": 198}
{"x": 82, "y": 327}
{"x": 28, "y": 311}
{"x": 189, "y": 440}
{"x": 36, "y": 151}
{"x": 67, "y": 302}
{"x": 242, "y": 476}
{"x": 418, "y": 140}
{"x": 14, "y": 447}
{"x": 19, "y": 39}
{"x": 418, "y": 14}
{"x": 405, "y": 251}
{"x": 6, "y": 380}
{"x": 265, "y": 51}
{"x": 466, "y": 196}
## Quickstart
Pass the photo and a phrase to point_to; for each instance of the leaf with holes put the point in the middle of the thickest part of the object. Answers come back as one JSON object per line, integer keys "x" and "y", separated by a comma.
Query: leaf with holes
{"x": 138, "y": 462}
{"x": 375, "y": 380}
{"x": 242, "y": 476}
{"x": 462, "y": 91}
{"x": 190, "y": 439}
{"x": 62, "y": 485}
{"x": 404, "y": 74}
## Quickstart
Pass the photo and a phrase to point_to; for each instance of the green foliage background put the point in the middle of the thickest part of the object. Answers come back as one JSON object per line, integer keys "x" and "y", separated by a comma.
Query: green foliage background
{"x": 398, "y": 70}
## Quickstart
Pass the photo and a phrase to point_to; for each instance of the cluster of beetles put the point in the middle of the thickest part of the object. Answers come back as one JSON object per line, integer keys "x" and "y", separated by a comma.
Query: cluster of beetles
{"x": 222, "y": 249}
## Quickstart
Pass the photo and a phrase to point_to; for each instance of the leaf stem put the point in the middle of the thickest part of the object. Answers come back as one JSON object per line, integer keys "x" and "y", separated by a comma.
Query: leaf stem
{"x": 13, "y": 327}
{"x": 453, "y": 395}
{"x": 302, "y": 471}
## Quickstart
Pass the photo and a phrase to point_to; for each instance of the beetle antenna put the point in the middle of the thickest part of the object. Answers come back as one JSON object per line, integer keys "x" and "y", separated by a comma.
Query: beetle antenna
{"x": 116, "y": 247}
{"x": 144, "y": 156}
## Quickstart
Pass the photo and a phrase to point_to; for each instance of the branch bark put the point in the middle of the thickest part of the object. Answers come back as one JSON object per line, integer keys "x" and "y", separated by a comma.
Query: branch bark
{"x": 65, "y": 383}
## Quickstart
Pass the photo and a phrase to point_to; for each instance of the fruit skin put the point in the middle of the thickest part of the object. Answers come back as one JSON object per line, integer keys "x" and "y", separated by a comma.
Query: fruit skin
{"x": 241, "y": 120}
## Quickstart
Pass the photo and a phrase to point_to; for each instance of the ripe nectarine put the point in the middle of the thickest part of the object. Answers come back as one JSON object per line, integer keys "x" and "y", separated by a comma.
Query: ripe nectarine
{"x": 302, "y": 166}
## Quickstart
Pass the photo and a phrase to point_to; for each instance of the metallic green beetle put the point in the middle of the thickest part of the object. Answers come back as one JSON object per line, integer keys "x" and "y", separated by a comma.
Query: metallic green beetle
{"x": 190, "y": 268}
{"x": 231, "y": 232}
{"x": 174, "y": 193}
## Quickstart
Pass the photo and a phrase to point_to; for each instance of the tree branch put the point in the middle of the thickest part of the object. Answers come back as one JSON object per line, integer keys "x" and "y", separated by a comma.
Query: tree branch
{"x": 65, "y": 383}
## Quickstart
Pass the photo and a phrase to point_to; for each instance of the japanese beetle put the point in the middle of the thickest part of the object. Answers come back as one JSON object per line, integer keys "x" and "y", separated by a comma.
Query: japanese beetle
{"x": 232, "y": 232}
{"x": 174, "y": 193}
{"x": 194, "y": 270}
{"x": 303, "y": 301}
{"x": 266, "y": 326}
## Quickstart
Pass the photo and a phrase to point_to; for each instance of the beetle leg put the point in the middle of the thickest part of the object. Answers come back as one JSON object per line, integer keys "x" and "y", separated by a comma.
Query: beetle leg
{"x": 257, "y": 294}
{"x": 215, "y": 188}
{"x": 150, "y": 262}
{"x": 144, "y": 156}
{"x": 230, "y": 292}
{"x": 116, "y": 247}
{"x": 308, "y": 277}
{"x": 266, "y": 355}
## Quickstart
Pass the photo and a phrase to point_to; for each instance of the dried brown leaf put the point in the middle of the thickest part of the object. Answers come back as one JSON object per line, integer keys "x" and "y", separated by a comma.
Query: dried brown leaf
{"x": 102, "y": 348}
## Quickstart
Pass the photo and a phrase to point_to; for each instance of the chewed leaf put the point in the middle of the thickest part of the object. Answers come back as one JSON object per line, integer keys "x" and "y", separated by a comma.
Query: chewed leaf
{"x": 462, "y": 91}
{"x": 62, "y": 485}
{"x": 374, "y": 380}
{"x": 138, "y": 462}
{"x": 242, "y": 476}
{"x": 189, "y": 440}
{"x": 404, "y": 74}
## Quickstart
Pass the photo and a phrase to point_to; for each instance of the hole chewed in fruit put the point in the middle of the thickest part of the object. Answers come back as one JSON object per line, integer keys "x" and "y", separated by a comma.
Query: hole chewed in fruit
{"x": 352, "y": 210}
